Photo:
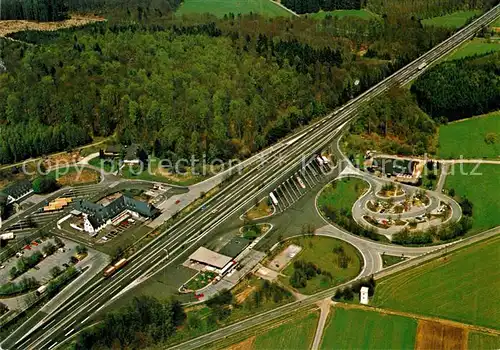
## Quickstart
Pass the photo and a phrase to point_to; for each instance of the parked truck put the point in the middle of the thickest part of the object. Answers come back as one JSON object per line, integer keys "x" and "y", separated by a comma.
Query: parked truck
{"x": 113, "y": 268}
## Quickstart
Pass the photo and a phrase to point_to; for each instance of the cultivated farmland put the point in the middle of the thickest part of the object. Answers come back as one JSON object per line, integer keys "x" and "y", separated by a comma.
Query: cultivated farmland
{"x": 436, "y": 335}
{"x": 453, "y": 20}
{"x": 486, "y": 202}
{"x": 483, "y": 341}
{"x": 359, "y": 329}
{"x": 462, "y": 286}
{"x": 472, "y": 138}
{"x": 220, "y": 8}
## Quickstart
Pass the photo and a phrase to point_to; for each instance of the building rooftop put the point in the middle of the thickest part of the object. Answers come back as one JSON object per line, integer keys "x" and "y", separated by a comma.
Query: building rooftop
{"x": 209, "y": 257}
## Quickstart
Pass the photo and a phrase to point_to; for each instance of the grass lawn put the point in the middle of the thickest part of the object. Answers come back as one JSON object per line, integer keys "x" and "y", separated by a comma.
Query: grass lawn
{"x": 452, "y": 20}
{"x": 363, "y": 14}
{"x": 476, "y": 46}
{"x": 483, "y": 341}
{"x": 319, "y": 251}
{"x": 388, "y": 260}
{"x": 359, "y": 329}
{"x": 222, "y": 7}
{"x": 481, "y": 190}
{"x": 462, "y": 286}
{"x": 296, "y": 334}
{"x": 201, "y": 280}
{"x": 466, "y": 138}
{"x": 343, "y": 193}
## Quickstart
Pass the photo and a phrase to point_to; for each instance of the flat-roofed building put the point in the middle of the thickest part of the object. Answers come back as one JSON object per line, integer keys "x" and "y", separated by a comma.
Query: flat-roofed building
{"x": 213, "y": 259}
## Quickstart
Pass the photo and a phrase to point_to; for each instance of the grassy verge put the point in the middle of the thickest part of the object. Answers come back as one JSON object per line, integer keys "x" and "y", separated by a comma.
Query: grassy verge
{"x": 388, "y": 260}
{"x": 359, "y": 329}
{"x": 481, "y": 189}
{"x": 453, "y": 20}
{"x": 220, "y": 8}
{"x": 471, "y": 138}
{"x": 462, "y": 286}
{"x": 324, "y": 252}
{"x": 342, "y": 194}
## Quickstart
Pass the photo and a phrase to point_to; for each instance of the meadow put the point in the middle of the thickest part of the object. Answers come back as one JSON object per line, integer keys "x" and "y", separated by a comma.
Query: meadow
{"x": 485, "y": 199}
{"x": 320, "y": 251}
{"x": 296, "y": 334}
{"x": 220, "y": 8}
{"x": 453, "y": 20}
{"x": 462, "y": 286}
{"x": 363, "y": 14}
{"x": 468, "y": 138}
{"x": 359, "y": 329}
{"x": 476, "y": 46}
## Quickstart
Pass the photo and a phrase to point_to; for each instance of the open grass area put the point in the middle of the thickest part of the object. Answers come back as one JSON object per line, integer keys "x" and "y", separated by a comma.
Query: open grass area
{"x": 343, "y": 193}
{"x": 296, "y": 334}
{"x": 359, "y": 329}
{"x": 476, "y": 46}
{"x": 75, "y": 176}
{"x": 462, "y": 286}
{"x": 320, "y": 251}
{"x": 483, "y": 341}
{"x": 220, "y": 8}
{"x": 453, "y": 20}
{"x": 263, "y": 209}
{"x": 153, "y": 172}
{"x": 472, "y": 138}
{"x": 388, "y": 260}
{"x": 480, "y": 189}
{"x": 363, "y": 14}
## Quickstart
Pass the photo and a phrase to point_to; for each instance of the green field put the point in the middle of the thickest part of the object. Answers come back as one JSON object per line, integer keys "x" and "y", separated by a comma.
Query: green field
{"x": 463, "y": 287}
{"x": 297, "y": 334}
{"x": 481, "y": 190}
{"x": 476, "y": 46}
{"x": 222, "y": 7}
{"x": 467, "y": 138}
{"x": 319, "y": 250}
{"x": 343, "y": 193}
{"x": 363, "y": 14}
{"x": 358, "y": 329}
{"x": 452, "y": 20}
{"x": 483, "y": 341}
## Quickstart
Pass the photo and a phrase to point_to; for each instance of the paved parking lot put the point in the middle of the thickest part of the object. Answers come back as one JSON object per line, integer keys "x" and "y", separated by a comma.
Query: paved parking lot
{"x": 42, "y": 274}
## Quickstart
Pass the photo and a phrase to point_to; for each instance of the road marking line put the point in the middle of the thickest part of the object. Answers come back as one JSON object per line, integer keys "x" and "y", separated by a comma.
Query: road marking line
{"x": 85, "y": 320}
{"x": 50, "y": 347}
{"x": 71, "y": 331}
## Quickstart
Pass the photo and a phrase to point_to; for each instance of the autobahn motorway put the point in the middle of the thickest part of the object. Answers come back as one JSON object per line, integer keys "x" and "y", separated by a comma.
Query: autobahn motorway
{"x": 259, "y": 176}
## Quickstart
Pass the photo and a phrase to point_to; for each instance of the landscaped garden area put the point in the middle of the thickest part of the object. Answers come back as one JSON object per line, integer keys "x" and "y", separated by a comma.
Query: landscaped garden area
{"x": 322, "y": 263}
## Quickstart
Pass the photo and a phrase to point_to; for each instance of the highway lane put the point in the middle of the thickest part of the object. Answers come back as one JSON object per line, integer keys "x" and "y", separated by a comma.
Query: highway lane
{"x": 297, "y": 145}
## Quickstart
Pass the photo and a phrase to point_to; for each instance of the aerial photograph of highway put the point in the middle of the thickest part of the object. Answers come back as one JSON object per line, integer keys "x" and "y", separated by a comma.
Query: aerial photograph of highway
{"x": 250, "y": 174}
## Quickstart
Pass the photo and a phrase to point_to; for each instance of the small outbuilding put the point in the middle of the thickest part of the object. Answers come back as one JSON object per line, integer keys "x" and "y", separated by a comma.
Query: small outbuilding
{"x": 363, "y": 295}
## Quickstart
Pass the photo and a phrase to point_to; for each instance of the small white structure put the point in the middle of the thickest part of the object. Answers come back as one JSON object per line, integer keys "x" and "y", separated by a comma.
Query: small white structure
{"x": 363, "y": 295}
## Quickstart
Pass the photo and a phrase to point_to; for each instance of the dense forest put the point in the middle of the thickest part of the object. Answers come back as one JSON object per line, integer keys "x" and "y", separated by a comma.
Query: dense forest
{"x": 394, "y": 124}
{"x": 462, "y": 88}
{"x": 224, "y": 88}
{"x": 38, "y": 10}
{"x": 311, "y": 6}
